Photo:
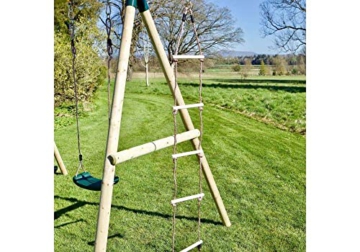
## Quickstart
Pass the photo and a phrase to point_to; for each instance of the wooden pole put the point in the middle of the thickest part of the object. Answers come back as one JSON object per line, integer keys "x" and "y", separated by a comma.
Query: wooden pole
{"x": 114, "y": 132}
{"x": 170, "y": 77}
{"x": 59, "y": 160}
{"x": 147, "y": 148}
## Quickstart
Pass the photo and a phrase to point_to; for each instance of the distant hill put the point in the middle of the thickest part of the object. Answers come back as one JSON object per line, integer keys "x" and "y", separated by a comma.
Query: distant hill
{"x": 233, "y": 53}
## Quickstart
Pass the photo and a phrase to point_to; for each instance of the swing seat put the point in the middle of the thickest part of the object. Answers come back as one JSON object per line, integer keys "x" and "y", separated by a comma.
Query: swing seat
{"x": 86, "y": 181}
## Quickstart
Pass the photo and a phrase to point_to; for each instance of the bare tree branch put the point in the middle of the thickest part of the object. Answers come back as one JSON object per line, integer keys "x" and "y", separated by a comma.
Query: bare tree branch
{"x": 214, "y": 26}
{"x": 286, "y": 21}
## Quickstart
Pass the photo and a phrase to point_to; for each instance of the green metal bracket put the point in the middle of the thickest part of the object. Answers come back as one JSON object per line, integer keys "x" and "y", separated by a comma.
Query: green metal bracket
{"x": 142, "y": 5}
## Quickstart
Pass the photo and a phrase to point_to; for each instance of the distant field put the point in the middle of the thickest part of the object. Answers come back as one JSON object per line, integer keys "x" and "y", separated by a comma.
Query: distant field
{"x": 227, "y": 69}
{"x": 277, "y": 100}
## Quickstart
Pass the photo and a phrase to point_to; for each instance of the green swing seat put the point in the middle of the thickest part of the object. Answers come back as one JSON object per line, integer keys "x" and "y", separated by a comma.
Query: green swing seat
{"x": 86, "y": 181}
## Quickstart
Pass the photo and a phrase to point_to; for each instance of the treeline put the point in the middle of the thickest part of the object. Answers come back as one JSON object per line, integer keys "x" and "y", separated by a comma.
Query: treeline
{"x": 261, "y": 64}
{"x": 289, "y": 59}
{"x": 289, "y": 64}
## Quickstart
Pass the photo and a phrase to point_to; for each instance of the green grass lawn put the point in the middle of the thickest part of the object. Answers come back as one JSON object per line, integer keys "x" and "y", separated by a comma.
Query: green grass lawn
{"x": 276, "y": 100}
{"x": 258, "y": 167}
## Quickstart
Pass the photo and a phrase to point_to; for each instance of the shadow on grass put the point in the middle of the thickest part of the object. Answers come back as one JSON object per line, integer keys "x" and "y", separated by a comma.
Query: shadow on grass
{"x": 290, "y": 89}
{"x": 68, "y": 223}
{"x": 60, "y": 212}
{"x": 79, "y": 203}
{"x": 92, "y": 243}
{"x": 277, "y": 81}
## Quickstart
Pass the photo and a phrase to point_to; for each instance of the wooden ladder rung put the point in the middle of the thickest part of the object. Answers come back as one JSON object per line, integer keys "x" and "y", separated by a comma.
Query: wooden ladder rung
{"x": 188, "y": 57}
{"x": 196, "y": 196}
{"x": 195, "y": 245}
{"x": 196, "y": 105}
{"x": 175, "y": 156}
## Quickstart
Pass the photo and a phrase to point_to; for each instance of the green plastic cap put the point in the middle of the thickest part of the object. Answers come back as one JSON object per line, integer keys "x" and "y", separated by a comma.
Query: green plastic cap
{"x": 142, "y": 5}
{"x": 131, "y": 3}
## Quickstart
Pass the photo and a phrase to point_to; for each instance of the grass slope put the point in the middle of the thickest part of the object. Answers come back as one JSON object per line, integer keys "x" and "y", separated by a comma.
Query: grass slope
{"x": 276, "y": 100}
{"x": 259, "y": 171}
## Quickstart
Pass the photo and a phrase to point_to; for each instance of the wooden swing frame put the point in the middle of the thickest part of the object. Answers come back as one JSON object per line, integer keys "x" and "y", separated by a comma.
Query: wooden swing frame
{"x": 59, "y": 160}
{"x": 116, "y": 115}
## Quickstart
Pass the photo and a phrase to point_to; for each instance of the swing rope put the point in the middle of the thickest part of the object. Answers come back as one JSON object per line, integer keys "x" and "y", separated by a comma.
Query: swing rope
{"x": 108, "y": 24}
{"x": 187, "y": 9}
{"x": 84, "y": 179}
{"x": 73, "y": 51}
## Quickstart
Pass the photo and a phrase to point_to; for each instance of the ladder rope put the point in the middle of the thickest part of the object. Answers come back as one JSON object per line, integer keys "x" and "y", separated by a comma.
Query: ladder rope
{"x": 174, "y": 161}
{"x": 174, "y": 206}
{"x": 187, "y": 9}
{"x": 201, "y": 128}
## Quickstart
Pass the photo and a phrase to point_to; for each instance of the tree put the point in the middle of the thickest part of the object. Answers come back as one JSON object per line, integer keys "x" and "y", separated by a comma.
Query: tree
{"x": 301, "y": 63}
{"x": 214, "y": 25}
{"x": 236, "y": 68}
{"x": 262, "y": 68}
{"x": 286, "y": 20}
{"x": 117, "y": 21}
{"x": 279, "y": 65}
{"x": 89, "y": 68}
{"x": 246, "y": 68}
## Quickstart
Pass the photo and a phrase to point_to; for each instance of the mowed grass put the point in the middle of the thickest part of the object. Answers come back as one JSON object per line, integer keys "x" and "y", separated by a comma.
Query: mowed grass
{"x": 259, "y": 170}
{"x": 276, "y": 100}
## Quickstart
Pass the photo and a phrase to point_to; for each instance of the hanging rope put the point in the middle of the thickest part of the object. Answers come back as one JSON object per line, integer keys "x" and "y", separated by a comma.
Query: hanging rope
{"x": 73, "y": 51}
{"x": 201, "y": 121}
{"x": 187, "y": 10}
{"x": 174, "y": 161}
{"x": 108, "y": 24}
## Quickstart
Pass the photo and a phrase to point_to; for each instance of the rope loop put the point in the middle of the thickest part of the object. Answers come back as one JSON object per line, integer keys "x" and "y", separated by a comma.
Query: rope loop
{"x": 108, "y": 8}
{"x": 108, "y": 26}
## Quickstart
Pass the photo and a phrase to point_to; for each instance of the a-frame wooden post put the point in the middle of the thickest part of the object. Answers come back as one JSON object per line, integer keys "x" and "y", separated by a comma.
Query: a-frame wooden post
{"x": 115, "y": 120}
{"x": 114, "y": 132}
{"x": 59, "y": 160}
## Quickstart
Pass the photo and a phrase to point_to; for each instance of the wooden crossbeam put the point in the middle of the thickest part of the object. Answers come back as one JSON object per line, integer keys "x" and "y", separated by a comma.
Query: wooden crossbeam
{"x": 147, "y": 148}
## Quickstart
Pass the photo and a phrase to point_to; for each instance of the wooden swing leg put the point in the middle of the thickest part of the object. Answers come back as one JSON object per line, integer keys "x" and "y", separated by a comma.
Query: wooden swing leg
{"x": 59, "y": 160}
{"x": 114, "y": 132}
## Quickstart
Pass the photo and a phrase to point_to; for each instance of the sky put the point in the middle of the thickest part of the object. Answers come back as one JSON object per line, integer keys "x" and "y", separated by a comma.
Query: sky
{"x": 247, "y": 16}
